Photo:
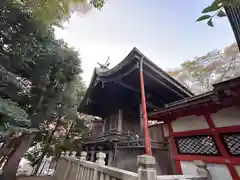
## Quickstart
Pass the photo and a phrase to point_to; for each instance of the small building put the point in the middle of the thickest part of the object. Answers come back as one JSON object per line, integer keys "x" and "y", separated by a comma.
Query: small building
{"x": 114, "y": 95}
{"x": 205, "y": 127}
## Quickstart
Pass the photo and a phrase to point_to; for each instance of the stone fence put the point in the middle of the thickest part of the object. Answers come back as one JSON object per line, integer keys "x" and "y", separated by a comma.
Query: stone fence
{"x": 71, "y": 167}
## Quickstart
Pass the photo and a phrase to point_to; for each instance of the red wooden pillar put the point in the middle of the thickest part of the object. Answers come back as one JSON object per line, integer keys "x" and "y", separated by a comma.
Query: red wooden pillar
{"x": 144, "y": 111}
{"x": 174, "y": 149}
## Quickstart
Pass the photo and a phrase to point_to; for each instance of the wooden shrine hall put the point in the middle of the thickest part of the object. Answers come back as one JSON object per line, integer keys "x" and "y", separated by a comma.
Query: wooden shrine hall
{"x": 192, "y": 129}
{"x": 114, "y": 95}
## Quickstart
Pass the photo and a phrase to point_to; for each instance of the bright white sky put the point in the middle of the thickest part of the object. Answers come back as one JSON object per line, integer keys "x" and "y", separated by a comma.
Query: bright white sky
{"x": 164, "y": 31}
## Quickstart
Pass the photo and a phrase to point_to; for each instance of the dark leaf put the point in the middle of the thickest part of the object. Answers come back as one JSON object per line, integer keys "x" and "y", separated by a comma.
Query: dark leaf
{"x": 221, "y": 13}
{"x": 210, "y": 23}
{"x": 213, "y": 7}
{"x": 204, "y": 17}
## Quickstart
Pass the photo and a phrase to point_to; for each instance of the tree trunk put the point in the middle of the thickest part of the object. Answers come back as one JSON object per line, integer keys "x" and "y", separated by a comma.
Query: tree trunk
{"x": 11, "y": 166}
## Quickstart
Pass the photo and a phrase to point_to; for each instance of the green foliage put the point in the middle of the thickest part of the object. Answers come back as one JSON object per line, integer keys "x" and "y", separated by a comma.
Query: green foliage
{"x": 13, "y": 113}
{"x": 210, "y": 23}
{"x": 204, "y": 17}
{"x": 67, "y": 137}
{"x": 54, "y": 12}
{"x": 216, "y": 9}
{"x": 37, "y": 71}
{"x": 72, "y": 97}
{"x": 98, "y": 4}
{"x": 13, "y": 119}
{"x": 213, "y": 7}
{"x": 33, "y": 153}
{"x": 71, "y": 139}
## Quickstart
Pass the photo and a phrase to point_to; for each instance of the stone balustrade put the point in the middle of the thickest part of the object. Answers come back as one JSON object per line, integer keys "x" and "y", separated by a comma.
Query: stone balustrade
{"x": 71, "y": 167}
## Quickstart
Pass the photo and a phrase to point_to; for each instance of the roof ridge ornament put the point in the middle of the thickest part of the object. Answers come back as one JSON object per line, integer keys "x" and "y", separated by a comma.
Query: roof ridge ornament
{"x": 105, "y": 65}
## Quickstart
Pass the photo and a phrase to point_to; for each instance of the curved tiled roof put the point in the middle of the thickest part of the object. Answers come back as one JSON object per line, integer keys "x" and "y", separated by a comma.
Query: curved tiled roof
{"x": 125, "y": 67}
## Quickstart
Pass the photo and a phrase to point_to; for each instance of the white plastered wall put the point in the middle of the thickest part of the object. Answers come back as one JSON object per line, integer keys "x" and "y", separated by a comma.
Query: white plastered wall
{"x": 165, "y": 130}
{"x": 227, "y": 117}
{"x": 237, "y": 168}
{"x": 189, "y": 123}
{"x": 217, "y": 171}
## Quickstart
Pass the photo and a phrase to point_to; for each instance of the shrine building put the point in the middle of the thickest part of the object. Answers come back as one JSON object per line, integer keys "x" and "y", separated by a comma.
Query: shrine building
{"x": 205, "y": 127}
{"x": 191, "y": 128}
{"x": 114, "y": 95}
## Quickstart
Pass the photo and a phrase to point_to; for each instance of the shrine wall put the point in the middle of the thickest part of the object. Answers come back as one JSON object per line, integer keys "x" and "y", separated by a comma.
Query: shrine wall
{"x": 222, "y": 118}
{"x": 237, "y": 168}
{"x": 187, "y": 133}
{"x": 227, "y": 117}
{"x": 96, "y": 128}
{"x": 189, "y": 123}
{"x": 111, "y": 122}
{"x": 165, "y": 130}
{"x": 217, "y": 171}
{"x": 130, "y": 123}
{"x": 156, "y": 132}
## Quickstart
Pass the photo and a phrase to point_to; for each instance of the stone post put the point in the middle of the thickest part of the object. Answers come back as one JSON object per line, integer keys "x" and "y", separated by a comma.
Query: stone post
{"x": 73, "y": 154}
{"x": 67, "y": 154}
{"x": 68, "y": 166}
{"x": 101, "y": 158}
{"x": 62, "y": 154}
{"x": 59, "y": 163}
{"x": 83, "y": 156}
{"x": 146, "y": 168}
{"x": 101, "y": 161}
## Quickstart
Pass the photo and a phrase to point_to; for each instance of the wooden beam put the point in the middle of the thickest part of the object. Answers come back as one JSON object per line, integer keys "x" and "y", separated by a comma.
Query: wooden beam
{"x": 160, "y": 82}
{"x": 143, "y": 146}
{"x": 151, "y": 105}
{"x": 128, "y": 87}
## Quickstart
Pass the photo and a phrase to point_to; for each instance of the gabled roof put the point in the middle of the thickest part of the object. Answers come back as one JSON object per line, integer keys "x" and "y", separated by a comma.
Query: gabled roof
{"x": 120, "y": 86}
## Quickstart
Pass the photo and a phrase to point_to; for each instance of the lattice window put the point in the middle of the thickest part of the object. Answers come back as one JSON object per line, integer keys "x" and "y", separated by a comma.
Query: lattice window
{"x": 199, "y": 145}
{"x": 232, "y": 142}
